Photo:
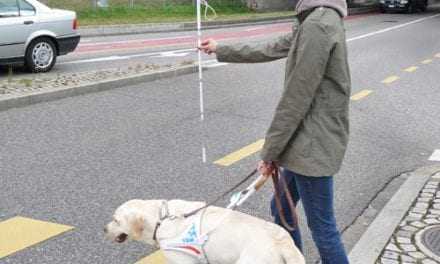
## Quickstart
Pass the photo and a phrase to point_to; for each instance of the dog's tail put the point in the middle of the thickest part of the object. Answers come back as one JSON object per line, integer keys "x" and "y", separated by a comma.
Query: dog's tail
{"x": 291, "y": 254}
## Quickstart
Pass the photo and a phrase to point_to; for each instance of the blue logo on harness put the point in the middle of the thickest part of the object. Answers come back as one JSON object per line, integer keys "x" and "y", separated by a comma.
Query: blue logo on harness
{"x": 191, "y": 235}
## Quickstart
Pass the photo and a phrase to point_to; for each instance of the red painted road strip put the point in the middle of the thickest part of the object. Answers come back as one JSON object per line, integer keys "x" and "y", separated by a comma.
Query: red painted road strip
{"x": 181, "y": 40}
{"x": 145, "y": 43}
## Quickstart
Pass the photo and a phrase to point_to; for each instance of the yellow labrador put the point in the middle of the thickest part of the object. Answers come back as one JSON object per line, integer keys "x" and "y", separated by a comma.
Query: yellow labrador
{"x": 215, "y": 235}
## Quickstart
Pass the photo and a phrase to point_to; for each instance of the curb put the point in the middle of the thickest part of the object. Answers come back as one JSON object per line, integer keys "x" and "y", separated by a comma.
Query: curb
{"x": 15, "y": 101}
{"x": 109, "y": 30}
{"x": 368, "y": 249}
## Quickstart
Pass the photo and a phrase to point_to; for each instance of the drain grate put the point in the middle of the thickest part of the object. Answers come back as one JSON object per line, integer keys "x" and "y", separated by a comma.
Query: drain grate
{"x": 428, "y": 240}
{"x": 431, "y": 240}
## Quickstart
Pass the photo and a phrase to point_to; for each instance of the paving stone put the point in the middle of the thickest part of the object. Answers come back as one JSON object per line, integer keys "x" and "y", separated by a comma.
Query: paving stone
{"x": 408, "y": 248}
{"x": 393, "y": 247}
{"x": 404, "y": 234}
{"x": 429, "y": 190}
{"x": 417, "y": 255}
{"x": 431, "y": 221}
{"x": 413, "y": 217}
{"x": 407, "y": 259}
{"x": 429, "y": 261}
{"x": 390, "y": 255}
{"x": 418, "y": 224}
{"x": 410, "y": 228}
{"x": 423, "y": 199}
{"x": 421, "y": 205}
{"x": 437, "y": 201}
{"x": 436, "y": 206}
{"x": 435, "y": 212}
{"x": 419, "y": 210}
{"x": 427, "y": 195}
{"x": 403, "y": 240}
{"x": 431, "y": 216}
{"x": 389, "y": 261}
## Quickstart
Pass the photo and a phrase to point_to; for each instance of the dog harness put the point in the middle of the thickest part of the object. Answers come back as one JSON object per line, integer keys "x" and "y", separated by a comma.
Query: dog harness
{"x": 191, "y": 242}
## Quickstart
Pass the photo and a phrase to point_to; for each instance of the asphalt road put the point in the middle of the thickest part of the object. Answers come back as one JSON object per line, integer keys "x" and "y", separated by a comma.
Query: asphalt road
{"x": 73, "y": 161}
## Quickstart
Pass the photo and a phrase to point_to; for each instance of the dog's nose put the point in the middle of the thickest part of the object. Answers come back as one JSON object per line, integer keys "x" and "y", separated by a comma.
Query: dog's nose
{"x": 105, "y": 230}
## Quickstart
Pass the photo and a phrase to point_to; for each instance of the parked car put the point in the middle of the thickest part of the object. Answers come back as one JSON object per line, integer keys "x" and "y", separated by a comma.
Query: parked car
{"x": 34, "y": 34}
{"x": 409, "y": 6}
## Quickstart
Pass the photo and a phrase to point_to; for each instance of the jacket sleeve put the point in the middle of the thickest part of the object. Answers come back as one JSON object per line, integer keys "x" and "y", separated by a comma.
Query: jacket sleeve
{"x": 252, "y": 53}
{"x": 303, "y": 78}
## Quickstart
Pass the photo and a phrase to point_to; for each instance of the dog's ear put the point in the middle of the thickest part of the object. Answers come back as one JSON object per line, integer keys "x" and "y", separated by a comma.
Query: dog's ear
{"x": 137, "y": 227}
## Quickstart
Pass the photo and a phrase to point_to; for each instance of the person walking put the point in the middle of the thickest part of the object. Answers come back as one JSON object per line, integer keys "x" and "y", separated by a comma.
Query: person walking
{"x": 308, "y": 135}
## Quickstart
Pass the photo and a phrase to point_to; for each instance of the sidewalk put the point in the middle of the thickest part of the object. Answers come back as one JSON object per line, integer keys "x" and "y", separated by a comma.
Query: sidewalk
{"x": 415, "y": 236}
{"x": 108, "y": 30}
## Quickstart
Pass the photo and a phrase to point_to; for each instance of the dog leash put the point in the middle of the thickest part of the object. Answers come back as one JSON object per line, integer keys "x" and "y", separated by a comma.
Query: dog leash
{"x": 278, "y": 180}
{"x": 237, "y": 199}
{"x": 220, "y": 197}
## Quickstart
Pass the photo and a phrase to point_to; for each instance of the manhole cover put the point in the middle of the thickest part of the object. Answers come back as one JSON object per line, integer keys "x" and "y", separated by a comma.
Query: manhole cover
{"x": 428, "y": 241}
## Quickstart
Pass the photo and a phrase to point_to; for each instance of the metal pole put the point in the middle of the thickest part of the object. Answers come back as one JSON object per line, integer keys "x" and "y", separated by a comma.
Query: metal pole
{"x": 202, "y": 107}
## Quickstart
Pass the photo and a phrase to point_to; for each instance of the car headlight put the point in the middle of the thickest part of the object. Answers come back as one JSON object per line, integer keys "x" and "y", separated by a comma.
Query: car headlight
{"x": 404, "y": 1}
{"x": 382, "y": 1}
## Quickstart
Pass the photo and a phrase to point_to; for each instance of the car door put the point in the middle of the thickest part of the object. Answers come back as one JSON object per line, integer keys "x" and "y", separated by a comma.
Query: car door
{"x": 16, "y": 24}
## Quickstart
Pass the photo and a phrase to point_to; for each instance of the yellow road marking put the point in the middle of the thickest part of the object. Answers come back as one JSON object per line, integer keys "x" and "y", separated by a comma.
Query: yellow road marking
{"x": 18, "y": 233}
{"x": 411, "y": 69}
{"x": 360, "y": 95}
{"x": 391, "y": 79}
{"x": 427, "y": 61}
{"x": 155, "y": 258}
{"x": 240, "y": 154}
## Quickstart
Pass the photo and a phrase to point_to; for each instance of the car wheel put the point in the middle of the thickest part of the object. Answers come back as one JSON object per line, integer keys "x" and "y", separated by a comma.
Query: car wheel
{"x": 424, "y": 6}
{"x": 410, "y": 9}
{"x": 382, "y": 10}
{"x": 41, "y": 55}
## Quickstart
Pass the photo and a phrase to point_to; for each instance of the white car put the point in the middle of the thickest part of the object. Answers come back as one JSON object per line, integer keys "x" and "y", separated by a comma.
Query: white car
{"x": 34, "y": 34}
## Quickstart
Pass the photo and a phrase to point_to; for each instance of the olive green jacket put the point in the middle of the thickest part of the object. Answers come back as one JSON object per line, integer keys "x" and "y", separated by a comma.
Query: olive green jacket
{"x": 310, "y": 127}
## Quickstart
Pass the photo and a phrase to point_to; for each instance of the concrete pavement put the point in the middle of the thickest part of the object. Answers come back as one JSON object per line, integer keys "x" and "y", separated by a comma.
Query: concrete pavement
{"x": 73, "y": 161}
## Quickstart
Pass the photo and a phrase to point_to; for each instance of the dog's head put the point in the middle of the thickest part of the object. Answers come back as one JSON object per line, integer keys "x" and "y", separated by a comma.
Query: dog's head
{"x": 130, "y": 221}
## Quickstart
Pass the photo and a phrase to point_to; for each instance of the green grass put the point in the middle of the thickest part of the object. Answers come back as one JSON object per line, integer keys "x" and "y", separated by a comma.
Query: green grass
{"x": 155, "y": 11}
{"x": 142, "y": 14}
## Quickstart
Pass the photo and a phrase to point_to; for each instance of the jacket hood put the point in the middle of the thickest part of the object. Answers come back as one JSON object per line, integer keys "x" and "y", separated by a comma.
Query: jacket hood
{"x": 338, "y": 5}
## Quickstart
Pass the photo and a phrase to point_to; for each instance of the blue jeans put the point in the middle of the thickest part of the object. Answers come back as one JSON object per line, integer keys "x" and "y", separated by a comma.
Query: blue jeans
{"x": 316, "y": 194}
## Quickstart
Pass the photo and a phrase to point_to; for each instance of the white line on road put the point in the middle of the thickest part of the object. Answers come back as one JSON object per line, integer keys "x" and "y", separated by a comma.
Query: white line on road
{"x": 127, "y": 57}
{"x": 391, "y": 28}
{"x": 88, "y": 43}
{"x": 111, "y": 58}
{"x": 435, "y": 156}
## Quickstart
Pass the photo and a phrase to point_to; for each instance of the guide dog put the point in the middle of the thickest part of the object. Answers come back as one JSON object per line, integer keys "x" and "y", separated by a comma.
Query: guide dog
{"x": 215, "y": 235}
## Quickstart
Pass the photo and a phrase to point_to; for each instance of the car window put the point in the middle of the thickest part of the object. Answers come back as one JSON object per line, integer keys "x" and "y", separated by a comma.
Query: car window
{"x": 9, "y": 8}
{"x": 26, "y": 9}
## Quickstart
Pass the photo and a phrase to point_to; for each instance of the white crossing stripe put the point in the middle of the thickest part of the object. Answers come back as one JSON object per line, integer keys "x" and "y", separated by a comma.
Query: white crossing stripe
{"x": 435, "y": 156}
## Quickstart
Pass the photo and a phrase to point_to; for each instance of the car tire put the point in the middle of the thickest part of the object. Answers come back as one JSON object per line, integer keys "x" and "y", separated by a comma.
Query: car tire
{"x": 41, "y": 55}
{"x": 382, "y": 10}
{"x": 411, "y": 8}
{"x": 424, "y": 6}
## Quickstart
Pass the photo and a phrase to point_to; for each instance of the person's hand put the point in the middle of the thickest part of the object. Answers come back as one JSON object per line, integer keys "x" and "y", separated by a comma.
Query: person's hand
{"x": 208, "y": 46}
{"x": 266, "y": 168}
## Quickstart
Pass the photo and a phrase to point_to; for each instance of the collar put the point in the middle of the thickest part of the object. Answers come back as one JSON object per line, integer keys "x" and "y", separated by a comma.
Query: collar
{"x": 303, "y": 15}
{"x": 164, "y": 213}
